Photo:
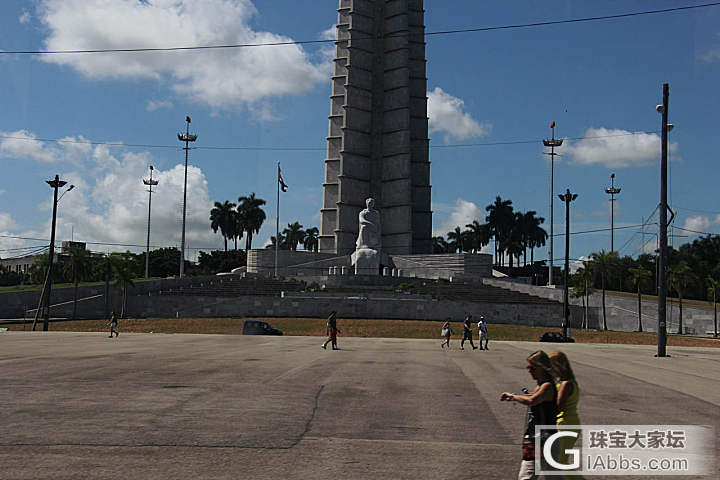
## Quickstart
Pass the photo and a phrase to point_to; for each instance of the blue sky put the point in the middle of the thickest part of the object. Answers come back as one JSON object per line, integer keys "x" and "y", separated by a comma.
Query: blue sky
{"x": 594, "y": 79}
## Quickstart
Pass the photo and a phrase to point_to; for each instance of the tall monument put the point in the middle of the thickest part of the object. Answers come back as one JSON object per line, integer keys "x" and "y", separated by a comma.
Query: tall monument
{"x": 377, "y": 144}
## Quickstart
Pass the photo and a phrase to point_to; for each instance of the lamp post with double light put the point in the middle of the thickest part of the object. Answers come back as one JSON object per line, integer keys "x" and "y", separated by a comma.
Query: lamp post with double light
{"x": 186, "y": 137}
{"x": 567, "y": 198}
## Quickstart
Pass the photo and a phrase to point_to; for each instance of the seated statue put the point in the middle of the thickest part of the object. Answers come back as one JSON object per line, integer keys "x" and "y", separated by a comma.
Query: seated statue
{"x": 369, "y": 231}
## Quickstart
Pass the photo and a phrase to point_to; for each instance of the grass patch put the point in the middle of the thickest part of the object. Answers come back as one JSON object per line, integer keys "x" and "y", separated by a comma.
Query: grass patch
{"x": 370, "y": 328}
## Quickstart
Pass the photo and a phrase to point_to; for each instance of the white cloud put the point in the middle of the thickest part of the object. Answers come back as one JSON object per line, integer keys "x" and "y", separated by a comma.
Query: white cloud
{"x": 615, "y": 148}
{"x": 462, "y": 213}
{"x": 25, "y": 145}
{"x": 697, "y": 223}
{"x": 153, "y": 105}
{"x": 446, "y": 114}
{"x": 221, "y": 78}
{"x": 6, "y": 222}
{"x": 109, "y": 201}
{"x": 25, "y": 17}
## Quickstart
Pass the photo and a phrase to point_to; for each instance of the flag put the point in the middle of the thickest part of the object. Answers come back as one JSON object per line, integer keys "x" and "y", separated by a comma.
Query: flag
{"x": 283, "y": 186}
{"x": 552, "y": 125}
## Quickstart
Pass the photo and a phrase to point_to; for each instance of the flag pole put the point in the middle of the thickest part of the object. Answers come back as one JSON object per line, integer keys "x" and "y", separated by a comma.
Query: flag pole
{"x": 277, "y": 220}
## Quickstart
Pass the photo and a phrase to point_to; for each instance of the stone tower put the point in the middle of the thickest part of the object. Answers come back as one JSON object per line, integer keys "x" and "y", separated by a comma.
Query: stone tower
{"x": 377, "y": 143}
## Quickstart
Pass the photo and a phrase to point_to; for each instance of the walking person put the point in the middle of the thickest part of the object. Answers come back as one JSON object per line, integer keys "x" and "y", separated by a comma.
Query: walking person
{"x": 331, "y": 330}
{"x": 113, "y": 325}
{"x": 567, "y": 399}
{"x": 542, "y": 410}
{"x": 482, "y": 329}
{"x": 467, "y": 333}
{"x": 445, "y": 333}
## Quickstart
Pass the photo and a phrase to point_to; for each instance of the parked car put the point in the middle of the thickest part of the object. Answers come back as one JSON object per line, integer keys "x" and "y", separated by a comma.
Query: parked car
{"x": 257, "y": 327}
{"x": 556, "y": 337}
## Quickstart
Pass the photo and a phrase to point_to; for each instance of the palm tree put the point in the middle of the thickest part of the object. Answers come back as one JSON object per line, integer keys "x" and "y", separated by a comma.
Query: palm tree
{"x": 640, "y": 276}
{"x": 252, "y": 216}
{"x": 310, "y": 241}
{"x": 678, "y": 278}
{"x": 528, "y": 222}
{"x": 537, "y": 237}
{"x": 604, "y": 263}
{"x": 440, "y": 245}
{"x": 283, "y": 242}
{"x": 582, "y": 288}
{"x": 713, "y": 288}
{"x": 123, "y": 278}
{"x": 456, "y": 239}
{"x": 236, "y": 227}
{"x": 222, "y": 217}
{"x": 294, "y": 234}
{"x": 479, "y": 235}
{"x": 78, "y": 268}
{"x": 500, "y": 218}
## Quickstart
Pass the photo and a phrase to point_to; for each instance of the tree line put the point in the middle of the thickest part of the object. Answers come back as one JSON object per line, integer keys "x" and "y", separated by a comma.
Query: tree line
{"x": 513, "y": 232}
{"x": 693, "y": 273}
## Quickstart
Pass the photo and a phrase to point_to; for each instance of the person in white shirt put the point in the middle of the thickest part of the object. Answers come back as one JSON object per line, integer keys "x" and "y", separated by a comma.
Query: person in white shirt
{"x": 482, "y": 328}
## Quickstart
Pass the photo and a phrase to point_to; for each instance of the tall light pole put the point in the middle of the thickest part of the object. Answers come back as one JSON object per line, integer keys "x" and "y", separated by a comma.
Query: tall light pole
{"x": 55, "y": 184}
{"x": 150, "y": 184}
{"x": 552, "y": 143}
{"x": 612, "y": 191}
{"x": 567, "y": 198}
{"x": 662, "y": 258}
{"x": 186, "y": 137}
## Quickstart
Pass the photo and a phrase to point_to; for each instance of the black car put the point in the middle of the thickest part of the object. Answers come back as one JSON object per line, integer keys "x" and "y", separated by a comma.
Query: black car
{"x": 256, "y": 327}
{"x": 556, "y": 337}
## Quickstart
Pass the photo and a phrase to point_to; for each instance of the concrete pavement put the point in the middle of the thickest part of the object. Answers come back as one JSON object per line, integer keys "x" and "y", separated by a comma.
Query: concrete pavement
{"x": 151, "y": 406}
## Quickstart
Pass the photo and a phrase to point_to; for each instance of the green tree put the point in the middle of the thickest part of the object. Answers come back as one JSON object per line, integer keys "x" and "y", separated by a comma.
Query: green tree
{"x": 251, "y": 215}
{"x": 440, "y": 245}
{"x": 479, "y": 235}
{"x": 500, "y": 219}
{"x": 221, "y": 217}
{"x": 456, "y": 241}
{"x": 294, "y": 234}
{"x": 679, "y": 276}
{"x": 537, "y": 237}
{"x": 79, "y": 267}
{"x": 713, "y": 290}
{"x": 122, "y": 268}
{"x": 311, "y": 239}
{"x": 639, "y": 278}
{"x": 604, "y": 264}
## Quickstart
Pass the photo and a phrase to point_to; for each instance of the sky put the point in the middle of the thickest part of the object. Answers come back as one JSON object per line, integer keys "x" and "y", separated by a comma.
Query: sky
{"x": 99, "y": 120}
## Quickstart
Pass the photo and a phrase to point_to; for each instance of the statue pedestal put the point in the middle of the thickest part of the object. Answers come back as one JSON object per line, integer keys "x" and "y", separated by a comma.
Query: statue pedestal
{"x": 366, "y": 261}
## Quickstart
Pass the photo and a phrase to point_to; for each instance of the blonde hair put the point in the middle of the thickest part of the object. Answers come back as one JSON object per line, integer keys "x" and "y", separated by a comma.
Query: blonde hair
{"x": 541, "y": 360}
{"x": 561, "y": 366}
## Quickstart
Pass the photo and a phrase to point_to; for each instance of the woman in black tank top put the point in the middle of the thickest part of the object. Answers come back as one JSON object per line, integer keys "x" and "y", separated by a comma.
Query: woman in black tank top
{"x": 542, "y": 409}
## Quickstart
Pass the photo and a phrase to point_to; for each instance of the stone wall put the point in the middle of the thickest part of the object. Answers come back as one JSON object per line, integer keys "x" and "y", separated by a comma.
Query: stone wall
{"x": 390, "y": 306}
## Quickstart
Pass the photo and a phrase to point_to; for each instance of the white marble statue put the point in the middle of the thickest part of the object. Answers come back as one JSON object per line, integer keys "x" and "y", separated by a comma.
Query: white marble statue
{"x": 367, "y": 255}
{"x": 369, "y": 232}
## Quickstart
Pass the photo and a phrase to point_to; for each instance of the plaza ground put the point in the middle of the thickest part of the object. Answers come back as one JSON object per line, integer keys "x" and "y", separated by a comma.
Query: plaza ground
{"x": 154, "y": 406}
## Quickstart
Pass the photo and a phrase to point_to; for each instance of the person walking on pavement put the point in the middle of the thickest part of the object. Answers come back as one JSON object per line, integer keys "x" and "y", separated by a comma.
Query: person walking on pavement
{"x": 113, "y": 325}
{"x": 331, "y": 331}
{"x": 445, "y": 333}
{"x": 482, "y": 328}
{"x": 467, "y": 333}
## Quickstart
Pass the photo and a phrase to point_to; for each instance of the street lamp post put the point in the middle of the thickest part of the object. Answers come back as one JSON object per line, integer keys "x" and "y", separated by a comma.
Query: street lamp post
{"x": 567, "y": 198}
{"x": 662, "y": 258}
{"x": 150, "y": 183}
{"x": 186, "y": 137}
{"x": 612, "y": 191}
{"x": 55, "y": 184}
{"x": 552, "y": 143}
